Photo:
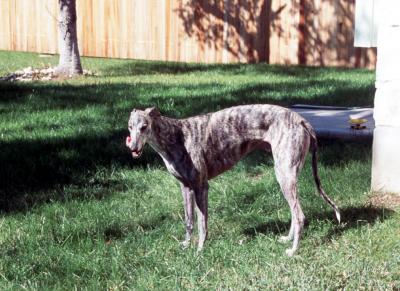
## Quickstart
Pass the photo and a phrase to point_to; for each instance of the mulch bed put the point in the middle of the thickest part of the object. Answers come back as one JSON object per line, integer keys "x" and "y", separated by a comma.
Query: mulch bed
{"x": 387, "y": 200}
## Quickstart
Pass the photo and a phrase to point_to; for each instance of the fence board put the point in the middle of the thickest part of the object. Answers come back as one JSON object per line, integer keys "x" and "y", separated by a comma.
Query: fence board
{"x": 315, "y": 32}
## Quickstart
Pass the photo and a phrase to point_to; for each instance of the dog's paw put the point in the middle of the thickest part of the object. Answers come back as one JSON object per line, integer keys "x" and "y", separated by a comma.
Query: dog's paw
{"x": 185, "y": 244}
{"x": 199, "y": 249}
{"x": 290, "y": 252}
{"x": 284, "y": 239}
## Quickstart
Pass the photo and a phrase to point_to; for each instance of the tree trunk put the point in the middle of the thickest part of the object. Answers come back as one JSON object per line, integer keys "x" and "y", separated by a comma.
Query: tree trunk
{"x": 69, "y": 63}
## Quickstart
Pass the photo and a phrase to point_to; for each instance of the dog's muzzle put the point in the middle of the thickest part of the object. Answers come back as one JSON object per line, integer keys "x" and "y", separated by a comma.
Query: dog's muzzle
{"x": 136, "y": 153}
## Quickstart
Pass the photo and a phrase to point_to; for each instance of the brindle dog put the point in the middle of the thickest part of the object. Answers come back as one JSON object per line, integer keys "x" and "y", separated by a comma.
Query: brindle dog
{"x": 199, "y": 148}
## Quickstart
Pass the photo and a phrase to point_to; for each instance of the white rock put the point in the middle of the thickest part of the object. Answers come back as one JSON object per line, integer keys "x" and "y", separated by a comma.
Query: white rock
{"x": 27, "y": 70}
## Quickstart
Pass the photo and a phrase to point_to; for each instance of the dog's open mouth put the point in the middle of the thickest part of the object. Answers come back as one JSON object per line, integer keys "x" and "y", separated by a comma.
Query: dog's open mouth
{"x": 136, "y": 154}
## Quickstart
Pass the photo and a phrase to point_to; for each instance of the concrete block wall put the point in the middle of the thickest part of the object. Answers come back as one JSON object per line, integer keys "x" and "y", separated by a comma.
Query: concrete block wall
{"x": 386, "y": 145}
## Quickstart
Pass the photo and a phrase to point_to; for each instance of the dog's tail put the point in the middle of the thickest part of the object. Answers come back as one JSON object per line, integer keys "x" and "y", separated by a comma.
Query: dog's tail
{"x": 314, "y": 149}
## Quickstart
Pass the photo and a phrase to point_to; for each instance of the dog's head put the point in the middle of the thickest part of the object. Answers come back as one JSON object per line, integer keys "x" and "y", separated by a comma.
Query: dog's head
{"x": 140, "y": 126}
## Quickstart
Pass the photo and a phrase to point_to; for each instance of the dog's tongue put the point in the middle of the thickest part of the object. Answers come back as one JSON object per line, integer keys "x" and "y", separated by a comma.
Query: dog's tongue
{"x": 128, "y": 139}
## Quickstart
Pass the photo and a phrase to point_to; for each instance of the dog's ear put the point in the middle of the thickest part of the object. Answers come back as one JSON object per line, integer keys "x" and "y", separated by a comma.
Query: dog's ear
{"x": 153, "y": 112}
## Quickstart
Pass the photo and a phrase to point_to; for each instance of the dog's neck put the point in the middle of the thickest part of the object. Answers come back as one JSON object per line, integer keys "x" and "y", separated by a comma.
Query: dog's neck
{"x": 166, "y": 133}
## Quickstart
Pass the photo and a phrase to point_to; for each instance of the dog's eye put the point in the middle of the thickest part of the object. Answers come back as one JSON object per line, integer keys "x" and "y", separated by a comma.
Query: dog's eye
{"x": 144, "y": 126}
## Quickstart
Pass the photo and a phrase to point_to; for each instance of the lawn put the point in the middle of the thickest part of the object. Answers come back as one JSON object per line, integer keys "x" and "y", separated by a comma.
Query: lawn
{"x": 76, "y": 212}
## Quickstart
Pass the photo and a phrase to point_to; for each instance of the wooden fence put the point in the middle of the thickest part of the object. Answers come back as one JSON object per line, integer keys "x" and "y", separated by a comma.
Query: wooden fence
{"x": 313, "y": 32}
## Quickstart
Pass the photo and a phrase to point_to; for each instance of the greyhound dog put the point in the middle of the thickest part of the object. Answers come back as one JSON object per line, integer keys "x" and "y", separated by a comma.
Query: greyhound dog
{"x": 200, "y": 148}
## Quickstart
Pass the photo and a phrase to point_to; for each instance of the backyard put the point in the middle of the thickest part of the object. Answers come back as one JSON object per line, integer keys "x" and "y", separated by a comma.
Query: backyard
{"x": 76, "y": 211}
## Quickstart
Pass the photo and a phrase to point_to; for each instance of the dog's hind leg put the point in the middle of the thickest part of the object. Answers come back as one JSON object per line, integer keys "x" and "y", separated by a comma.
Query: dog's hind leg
{"x": 288, "y": 185}
{"x": 289, "y": 153}
{"x": 289, "y": 237}
{"x": 201, "y": 198}
{"x": 188, "y": 202}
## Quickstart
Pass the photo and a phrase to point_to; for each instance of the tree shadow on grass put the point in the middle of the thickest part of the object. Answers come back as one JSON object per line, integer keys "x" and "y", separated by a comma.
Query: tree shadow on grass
{"x": 352, "y": 217}
{"x": 34, "y": 172}
{"x": 203, "y": 97}
{"x": 336, "y": 152}
{"x": 135, "y": 68}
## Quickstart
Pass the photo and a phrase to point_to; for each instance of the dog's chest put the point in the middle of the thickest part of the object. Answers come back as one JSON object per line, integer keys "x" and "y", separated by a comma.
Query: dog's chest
{"x": 171, "y": 167}
{"x": 176, "y": 166}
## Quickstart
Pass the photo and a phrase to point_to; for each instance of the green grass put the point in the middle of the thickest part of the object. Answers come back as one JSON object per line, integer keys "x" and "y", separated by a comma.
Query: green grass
{"x": 78, "y": 212}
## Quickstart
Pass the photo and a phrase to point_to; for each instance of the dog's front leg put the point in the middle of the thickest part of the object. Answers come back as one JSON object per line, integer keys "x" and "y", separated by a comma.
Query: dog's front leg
{"x": 201, "y": 198}
{"x": 188, "y": 203}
